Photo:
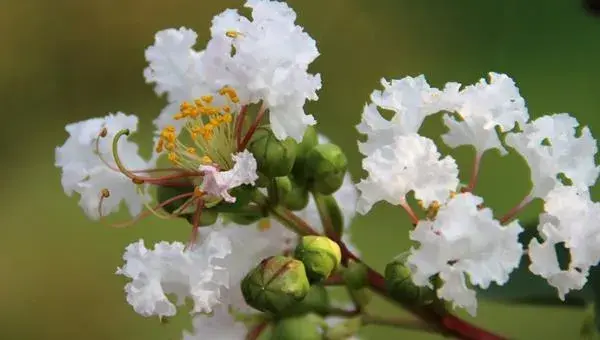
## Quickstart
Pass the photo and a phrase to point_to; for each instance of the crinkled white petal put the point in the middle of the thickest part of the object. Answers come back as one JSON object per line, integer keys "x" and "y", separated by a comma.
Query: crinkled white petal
{"x": 482, "y": 107}
{"x": 85, "y": 173}
{"x": 411, "y": 163}
{"x": 170, "y": 268}
{"x": 269, "y": 63}
{"x": 551, "y": 146}
{"x": 218, "y": 183}
{"x": 411, "y": 100}
{"x": 464, "y": 242}
{"x": 570, "y": 217}
{"x": 220, "y": 324}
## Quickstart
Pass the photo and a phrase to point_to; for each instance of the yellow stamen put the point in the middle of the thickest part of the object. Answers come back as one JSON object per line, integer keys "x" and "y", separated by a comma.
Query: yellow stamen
{"x": 206, "y": 160}
{"x": 191, "y": 150}
{"x": 232, "y": 34}
{"x": 207, "y": 99}
{"x": 198, "y": 192}
{"x": 173, "y": 157}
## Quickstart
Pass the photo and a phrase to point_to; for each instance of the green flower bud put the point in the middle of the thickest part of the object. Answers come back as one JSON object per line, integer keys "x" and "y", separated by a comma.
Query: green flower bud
{"x": 262, "y": 181}
{"x": 321, "y": 256}
{"x": 301, "y": 327}
{"x": 164, "y": 193}
{"x": 297, "y": 198}
{"x": 274, "y": 158}
{"x": 400, "y": 285}
{"x": 309, "y": 141}
{"x": 279, "y": 188}
{"x": 326, "y": 165}
{"x": 249, "y": 216}
{"x": 355, "y": 275}
{"x": 277, "y": 283}
{"x": 207, "y": 217}
{"x": 317, "y": 301}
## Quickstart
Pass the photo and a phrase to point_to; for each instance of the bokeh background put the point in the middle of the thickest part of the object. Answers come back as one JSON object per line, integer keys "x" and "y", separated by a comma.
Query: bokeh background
{"x": 67, "y": 60}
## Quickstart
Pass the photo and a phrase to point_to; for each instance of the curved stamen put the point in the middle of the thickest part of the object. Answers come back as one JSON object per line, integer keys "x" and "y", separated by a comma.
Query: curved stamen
{"x": 196, "y": 223}
{"x": 106, "y": 193}
{"x": 253, "y": 127}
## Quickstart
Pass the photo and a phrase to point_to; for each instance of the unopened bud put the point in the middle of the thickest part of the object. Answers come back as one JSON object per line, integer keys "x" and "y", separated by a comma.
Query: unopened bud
{"x": 317, "y": 301}
{"x": 355, "y": 275}
{"x": 274, "y": 158}
{"x": 321, "y": 256}
{"x": 309, "y": 141}
{"x": 246, "y": 217}
{"x": 326, "y": 166}
{"x": 300, "y": 327}
{"x": 398, "y": 280}
{"x": 277, "y": 283}
{"x": 297, "y": 198}
{"x": 279, "y": 188}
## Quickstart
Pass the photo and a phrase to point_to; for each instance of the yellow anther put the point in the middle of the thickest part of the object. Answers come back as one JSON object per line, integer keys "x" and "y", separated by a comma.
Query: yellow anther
{"x": 232, "y": 34}
{"x": 452, "y": 194}
{"x": 191, "y": 150}
{"x": 264, "y": 224}
{"x": 105, "y": 193}
{"x": 207, "y": 99}
{"x": 103, "y": 132}
{"x": 214, "y": 121}
{"x": 226, "y": 108}
{"x": 170, "y": 146}
{"x": 434, "y": 207}
{"x": 227, "y": 118}
{"x": 206, "y": 160}
{"x": 179, "y": 115}
{"x": 160, "y": 145}
{"x": 198, "y": 192}
{"x": 173, "y": 156}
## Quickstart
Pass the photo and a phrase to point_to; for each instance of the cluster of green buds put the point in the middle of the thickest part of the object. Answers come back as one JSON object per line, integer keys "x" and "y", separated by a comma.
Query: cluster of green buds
{"x": 401, "y": 287}
{"x": 281, "y": 285}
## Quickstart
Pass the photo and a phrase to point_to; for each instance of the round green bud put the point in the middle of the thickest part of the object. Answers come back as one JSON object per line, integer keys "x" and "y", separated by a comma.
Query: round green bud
{"x": 277, "y": 283}
{"x": 400, "y": 285}
{"x": 165, "y": 193}
{"x": 329, "y": 208}
{"x": 297, "y": 198}
{"x": 262, "y": 181}
{"x": 326, "y": 166}
{"x": 274, "y": 158}
{"x": 207, "y": 217}
{"x": 321, "y": 256}
{"x": 355, "y": 275}
{"x": 300, "y": 327}
{"x": 309, "y": 141}
{"x": 317, "y": 301}
{"x": 279, "y": 188}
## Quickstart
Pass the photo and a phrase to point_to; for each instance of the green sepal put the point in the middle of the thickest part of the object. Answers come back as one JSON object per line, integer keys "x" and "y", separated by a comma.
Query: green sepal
{"x": 330, "y": 214}
{"x": 325, "y": 168}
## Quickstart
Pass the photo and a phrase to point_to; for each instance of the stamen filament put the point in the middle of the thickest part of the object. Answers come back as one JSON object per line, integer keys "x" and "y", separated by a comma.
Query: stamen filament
{"x": 252, "y": 129}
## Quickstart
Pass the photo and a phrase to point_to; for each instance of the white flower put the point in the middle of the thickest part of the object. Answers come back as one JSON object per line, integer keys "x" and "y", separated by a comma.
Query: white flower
{"x": 218, "y": 183}
{"x": 551, "y": 146}
{"x": 571, "y": 217}
{"x": 170, "y": 268}
{"x": 411, "y": 163}
{"x": 83, "y": 169}
{"x": 270, "y": 62}
{"x": 464, "y": 242}
{"x": 482, "y": 107}
{"x": 220, "y": 324}
{"x": 411, "y": 100}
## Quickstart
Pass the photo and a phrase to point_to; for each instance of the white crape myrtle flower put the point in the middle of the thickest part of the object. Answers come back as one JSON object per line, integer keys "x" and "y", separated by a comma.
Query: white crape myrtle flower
{"x": 411, "y": 100}
{"x": 464, "y": 244}
{"x": 218, "y": 183}
{"x": 410, "y": 163}
{"x": 552, "y": 146}
{"x": 220, "y": 324}
{"x": 269, "y": 63}
{"x": 170, "y": 268}
{"x": 483, "y": 107}
{"x": 88, "y": 165}
{"x": 570, "y": 217}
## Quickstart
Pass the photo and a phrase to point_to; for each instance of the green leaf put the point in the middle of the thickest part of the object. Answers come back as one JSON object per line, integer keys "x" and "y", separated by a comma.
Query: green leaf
{"x": 526, "y": 288}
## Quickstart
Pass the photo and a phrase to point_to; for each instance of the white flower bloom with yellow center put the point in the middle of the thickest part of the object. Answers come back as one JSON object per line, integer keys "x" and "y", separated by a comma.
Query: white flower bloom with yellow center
{"x": 88, "y": 165}
{"x": 171, "y": 269}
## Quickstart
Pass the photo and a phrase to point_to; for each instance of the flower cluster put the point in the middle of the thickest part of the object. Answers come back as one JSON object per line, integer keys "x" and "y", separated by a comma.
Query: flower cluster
{"x": 460, "y": 240}
{"x": 249, "y": 189}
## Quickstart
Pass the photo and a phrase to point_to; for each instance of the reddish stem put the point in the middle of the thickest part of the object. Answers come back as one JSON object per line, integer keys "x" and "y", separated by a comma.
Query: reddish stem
{"x": 474, "y": 174}
{"x": 411, "y": 213}
{"x": 334, "y": 280}
{"x": 515, "y": 210}
{"x": 257, "y": 331}
{"x": 239, "y": 123}
{"x": 252, "y": 129}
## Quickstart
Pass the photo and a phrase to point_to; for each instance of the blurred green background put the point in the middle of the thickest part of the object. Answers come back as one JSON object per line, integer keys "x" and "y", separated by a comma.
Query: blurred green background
{"x": 67, "y": 60}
